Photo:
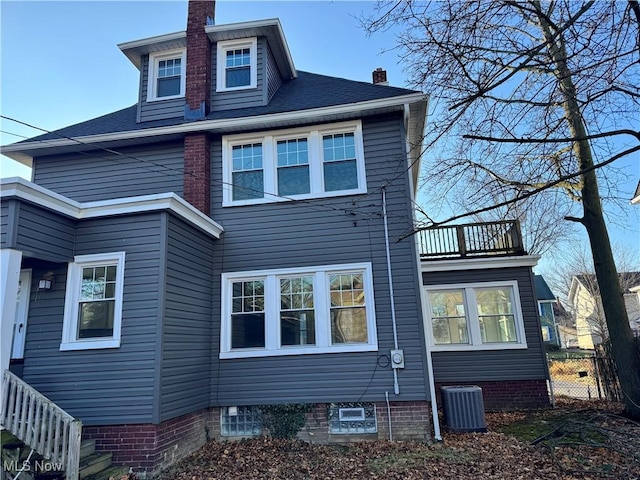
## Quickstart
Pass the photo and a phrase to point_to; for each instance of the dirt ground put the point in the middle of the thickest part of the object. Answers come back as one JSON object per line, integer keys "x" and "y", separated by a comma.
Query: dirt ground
{"x": 578, "y": 440}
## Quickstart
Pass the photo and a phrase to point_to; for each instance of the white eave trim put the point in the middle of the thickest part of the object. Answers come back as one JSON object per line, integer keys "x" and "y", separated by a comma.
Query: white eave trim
{"x": 20, "y": 188}
{"x": 226, "y": 124}
{"x": 479, "y": 263}
{"x": 152, "y": 40}
{"x": 135, "y": 49}
{"x": 213, "y": 31}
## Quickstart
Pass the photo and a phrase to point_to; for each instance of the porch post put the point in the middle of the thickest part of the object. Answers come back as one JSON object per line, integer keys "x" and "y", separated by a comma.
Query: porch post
{"x": 10, "y": 261}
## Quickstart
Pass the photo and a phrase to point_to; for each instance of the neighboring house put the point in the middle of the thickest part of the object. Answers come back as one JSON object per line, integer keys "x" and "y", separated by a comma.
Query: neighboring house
{"x": 546, "y": 303}
{"x": 568, "y": 336}
{"x": 230, "y": 241}
{"x": 584, "y": 297}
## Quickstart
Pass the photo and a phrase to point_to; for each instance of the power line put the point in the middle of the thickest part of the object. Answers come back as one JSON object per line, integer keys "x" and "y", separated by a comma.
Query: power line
{"x": 180, "y": 173}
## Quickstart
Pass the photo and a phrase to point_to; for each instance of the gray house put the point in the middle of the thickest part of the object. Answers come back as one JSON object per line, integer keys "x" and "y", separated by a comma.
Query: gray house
{"x": 229, "y": 241}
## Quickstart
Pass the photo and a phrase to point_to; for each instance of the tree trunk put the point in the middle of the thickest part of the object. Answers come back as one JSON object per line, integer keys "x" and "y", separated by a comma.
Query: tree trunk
{"x": 625, "y": 354}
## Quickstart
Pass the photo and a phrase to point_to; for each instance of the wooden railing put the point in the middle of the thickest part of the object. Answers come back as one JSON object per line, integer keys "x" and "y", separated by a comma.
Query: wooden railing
{"x": 471, "y": 240}
{"x": 41, "y": 424}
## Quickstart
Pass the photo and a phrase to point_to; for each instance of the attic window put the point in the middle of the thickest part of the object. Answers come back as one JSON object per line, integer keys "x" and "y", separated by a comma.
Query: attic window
{"x": 237, "y": 65}
{"x": 166, "y": 75}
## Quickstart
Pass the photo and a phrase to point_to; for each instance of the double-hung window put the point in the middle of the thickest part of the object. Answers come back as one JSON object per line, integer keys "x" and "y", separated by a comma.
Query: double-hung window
{"x": 93, "y": 303}
{"x": 166, "y": 78}
{"x": 301, "y": 163}
{"x": 237, "y": 65}
{"x": 340, "y": 163}
{"x": 247, "y": 176}
{"x": 296, "y": 311}
{"x": 292, "y": 157}
{"x": 476, "y": 316}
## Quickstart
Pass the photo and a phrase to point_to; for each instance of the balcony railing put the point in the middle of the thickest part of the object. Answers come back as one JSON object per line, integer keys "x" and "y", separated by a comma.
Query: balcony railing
{"x": 471, "y": 240}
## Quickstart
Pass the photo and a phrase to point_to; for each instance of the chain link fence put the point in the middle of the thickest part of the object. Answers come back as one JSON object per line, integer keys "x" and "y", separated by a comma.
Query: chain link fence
{"x": 585, "y": 378}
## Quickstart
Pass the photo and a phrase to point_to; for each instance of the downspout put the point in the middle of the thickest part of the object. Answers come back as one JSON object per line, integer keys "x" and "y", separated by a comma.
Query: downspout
{"x": 432, "y": 386}
{"x": 396, "y": 386}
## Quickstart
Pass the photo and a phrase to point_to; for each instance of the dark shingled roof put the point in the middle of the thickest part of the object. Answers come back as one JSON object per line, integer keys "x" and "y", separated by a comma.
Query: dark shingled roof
{"x": 542, "y": 289}
{"x": 308, "y": 91}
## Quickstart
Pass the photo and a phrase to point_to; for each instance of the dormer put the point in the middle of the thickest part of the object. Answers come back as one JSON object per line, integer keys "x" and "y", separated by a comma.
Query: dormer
{"x": 243, "y": 65}
{"x": 250, "y": 62}
{"x": 162, "y": 62}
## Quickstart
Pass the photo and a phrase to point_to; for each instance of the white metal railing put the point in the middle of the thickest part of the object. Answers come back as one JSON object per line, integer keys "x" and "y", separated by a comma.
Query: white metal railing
{"x": 41, "y": 424}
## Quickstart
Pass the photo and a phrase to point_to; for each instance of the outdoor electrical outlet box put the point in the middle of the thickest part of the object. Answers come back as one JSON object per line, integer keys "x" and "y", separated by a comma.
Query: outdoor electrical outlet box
{"x": 397, "y": 359}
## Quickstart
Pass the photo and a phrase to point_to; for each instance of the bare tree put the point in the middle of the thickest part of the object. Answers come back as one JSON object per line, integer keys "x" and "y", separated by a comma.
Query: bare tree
{"x": 532, "y": 100}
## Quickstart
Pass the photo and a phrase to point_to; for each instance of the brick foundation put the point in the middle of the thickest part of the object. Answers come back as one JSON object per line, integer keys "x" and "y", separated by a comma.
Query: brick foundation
{"x": 152, "y": 448}
{"x": 410, "y": 421}
{"x": 509, "y": 395}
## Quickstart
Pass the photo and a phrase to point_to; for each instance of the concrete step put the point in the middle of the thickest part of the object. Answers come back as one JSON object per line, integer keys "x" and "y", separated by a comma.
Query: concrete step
{"x": 87, "y": 447}
{"x": 94, "y": 463}
{"x": 111, "y": 473}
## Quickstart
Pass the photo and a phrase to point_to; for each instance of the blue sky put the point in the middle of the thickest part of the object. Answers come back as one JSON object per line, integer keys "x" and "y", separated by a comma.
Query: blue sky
{"x": 60, "y": 63}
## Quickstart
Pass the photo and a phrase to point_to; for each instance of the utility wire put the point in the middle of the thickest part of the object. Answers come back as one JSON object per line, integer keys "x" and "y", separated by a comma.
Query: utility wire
{"x": 180, "y": 173}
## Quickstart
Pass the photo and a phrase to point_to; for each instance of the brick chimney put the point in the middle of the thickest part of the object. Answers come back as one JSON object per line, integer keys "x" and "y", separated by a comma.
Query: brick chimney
{"x": 198, "y": 70}
{"x": 380, "y": 77}
{"x": 197, "y": 149}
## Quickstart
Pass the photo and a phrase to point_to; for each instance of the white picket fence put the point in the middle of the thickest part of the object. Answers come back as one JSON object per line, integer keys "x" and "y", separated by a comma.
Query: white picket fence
{"x": 41, "y": 424}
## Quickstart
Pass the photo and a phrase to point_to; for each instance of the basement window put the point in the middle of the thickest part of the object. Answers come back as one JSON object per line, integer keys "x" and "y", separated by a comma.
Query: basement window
{"x": 352, "y": 418}
{"x": 243, "y": 421}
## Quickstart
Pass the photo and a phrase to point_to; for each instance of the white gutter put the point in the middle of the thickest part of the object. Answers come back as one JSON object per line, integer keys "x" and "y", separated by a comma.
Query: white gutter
{"x": 38, "y": 195}
{"x": 223, "y": 124}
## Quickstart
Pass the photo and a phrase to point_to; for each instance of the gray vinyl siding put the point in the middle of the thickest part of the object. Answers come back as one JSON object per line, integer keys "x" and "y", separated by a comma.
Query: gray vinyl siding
{"x": 106, "y": 386}
{"x": 186, "y": 337}
{"x": 319, "y": 232}
{"x": 253, "y": 97}
{"x": 44, "y": 234}
{"x": 7, "y": 223}
{"x": 101, "y": 175}
{"x": 274, "y": 79}
{"x": 158, "y": 109}
{"x": 493, "y": 365}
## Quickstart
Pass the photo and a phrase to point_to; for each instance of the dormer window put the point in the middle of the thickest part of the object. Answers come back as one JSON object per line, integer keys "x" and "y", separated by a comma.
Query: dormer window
{"x": 237, "y": 65}
{"x": 166, "y": 75}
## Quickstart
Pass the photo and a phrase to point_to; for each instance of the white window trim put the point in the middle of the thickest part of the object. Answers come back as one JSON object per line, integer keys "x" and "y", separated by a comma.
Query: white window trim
{"x": 270, "y": 168}
{"x": 321, "y": 306}
{"x": 72, "y": 299}
{"x": 152, "y": 77}
{"x": 475, "y": 342}
{"x": 221, "y": 67}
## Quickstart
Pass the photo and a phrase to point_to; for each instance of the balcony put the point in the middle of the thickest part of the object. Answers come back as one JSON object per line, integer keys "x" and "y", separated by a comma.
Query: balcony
{"x": 472, "y": 240}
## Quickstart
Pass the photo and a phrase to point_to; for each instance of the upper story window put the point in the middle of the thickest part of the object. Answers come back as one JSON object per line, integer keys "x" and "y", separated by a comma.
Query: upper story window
{"x": 237, "y": 64}
{"x": 297, "y": 311}
{"x": 483, "y": 316}
{"x": 299, "y": 163}
{"x": 93, "y": 303}
{"x": 166, "y": 75}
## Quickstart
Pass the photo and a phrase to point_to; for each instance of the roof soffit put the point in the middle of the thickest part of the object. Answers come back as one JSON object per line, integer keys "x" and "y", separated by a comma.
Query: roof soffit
{"x": 271, "y": 29}
{"x": 136, "y": 49}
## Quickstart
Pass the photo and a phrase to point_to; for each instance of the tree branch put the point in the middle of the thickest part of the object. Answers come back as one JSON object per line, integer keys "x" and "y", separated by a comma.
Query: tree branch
{"x": 525, "y": 195}
{"x": 612, "y": 133}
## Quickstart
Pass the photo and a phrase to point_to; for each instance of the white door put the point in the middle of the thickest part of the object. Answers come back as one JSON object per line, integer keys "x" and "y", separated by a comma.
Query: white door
{"x": 22, "y": 311}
